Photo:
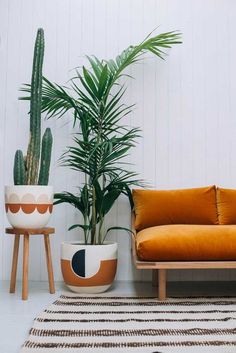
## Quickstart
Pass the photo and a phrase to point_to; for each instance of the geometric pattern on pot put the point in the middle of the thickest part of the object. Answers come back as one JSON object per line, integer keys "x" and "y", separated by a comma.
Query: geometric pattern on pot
{"x": 28, "y": 203}
{"x": 89, "y": 265}
{"x": 104, "y": 276}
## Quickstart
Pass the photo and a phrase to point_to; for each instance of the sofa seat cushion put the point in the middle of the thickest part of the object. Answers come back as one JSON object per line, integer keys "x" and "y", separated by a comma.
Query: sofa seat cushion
{"x": 181, "y": 242}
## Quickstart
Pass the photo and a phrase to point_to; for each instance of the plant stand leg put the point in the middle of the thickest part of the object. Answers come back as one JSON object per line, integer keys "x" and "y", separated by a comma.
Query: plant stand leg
{"x": 162, "y": 285}
{"x": 25, "y": 267}
{"x": 14, "y": 263}
{"x": 49, "y": 263}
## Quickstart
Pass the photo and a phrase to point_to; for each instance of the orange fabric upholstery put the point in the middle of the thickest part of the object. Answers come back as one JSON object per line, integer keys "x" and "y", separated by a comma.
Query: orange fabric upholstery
{"x": 226, "y": 205}
{"x": 187, "y": 242}
{"x": 183, "y": 206}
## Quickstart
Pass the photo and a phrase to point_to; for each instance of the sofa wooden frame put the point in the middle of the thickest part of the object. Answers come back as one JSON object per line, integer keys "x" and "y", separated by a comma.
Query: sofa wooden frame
{"x": 162, "y": 266}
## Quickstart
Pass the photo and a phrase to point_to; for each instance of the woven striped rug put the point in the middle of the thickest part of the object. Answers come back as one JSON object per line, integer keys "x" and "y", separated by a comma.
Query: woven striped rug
{"x": 134, "y": 324}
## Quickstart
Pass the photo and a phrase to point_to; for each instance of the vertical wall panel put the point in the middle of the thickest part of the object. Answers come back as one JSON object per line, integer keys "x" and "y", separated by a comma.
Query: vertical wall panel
{"x": 4, "y": 26}
{"x": 185, "y": 105}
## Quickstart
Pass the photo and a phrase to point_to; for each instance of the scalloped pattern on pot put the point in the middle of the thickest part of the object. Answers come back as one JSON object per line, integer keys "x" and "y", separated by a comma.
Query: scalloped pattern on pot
{"x": 28, "y": 203}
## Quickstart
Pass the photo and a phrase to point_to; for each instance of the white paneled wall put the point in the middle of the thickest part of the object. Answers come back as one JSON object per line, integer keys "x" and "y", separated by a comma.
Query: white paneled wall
{"x": 186, "y": 106}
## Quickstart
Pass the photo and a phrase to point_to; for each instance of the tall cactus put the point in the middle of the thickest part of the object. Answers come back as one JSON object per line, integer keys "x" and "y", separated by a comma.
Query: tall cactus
{"x": 33, "y": 152}
{"x": 27, "y": 172}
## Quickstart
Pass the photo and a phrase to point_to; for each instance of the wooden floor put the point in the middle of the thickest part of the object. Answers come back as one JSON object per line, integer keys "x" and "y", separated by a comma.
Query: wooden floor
{"x": 16, "y": 316}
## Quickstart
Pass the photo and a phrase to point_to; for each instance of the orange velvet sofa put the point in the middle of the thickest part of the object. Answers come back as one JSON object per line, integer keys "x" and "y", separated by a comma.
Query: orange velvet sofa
{"x": 183, "y": 229}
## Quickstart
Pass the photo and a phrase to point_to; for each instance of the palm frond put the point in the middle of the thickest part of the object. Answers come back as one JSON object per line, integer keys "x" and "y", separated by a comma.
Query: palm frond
{"x": 102, "y": 140}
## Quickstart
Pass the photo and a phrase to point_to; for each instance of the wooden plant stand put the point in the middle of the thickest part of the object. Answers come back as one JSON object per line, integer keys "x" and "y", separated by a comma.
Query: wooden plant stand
{"x": 26, "y": 232}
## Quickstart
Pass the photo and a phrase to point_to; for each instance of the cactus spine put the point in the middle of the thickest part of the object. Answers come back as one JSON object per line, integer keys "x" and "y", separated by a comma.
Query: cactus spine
{"x": 19, "y": 168}
{"x": 45, "y": 157}
{"x": 27, "y": 172}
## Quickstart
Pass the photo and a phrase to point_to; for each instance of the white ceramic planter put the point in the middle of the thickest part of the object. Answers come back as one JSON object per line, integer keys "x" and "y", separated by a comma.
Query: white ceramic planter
{"x": 28, "y": 206}
{"x": 88, "y": 268}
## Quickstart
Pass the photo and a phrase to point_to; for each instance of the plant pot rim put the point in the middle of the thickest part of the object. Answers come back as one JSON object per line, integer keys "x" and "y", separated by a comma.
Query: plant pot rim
{"x": 78, "y": 242}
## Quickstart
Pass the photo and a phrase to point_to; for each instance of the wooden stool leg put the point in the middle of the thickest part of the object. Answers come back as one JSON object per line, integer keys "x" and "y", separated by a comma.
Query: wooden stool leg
{"x": 14, "y": 263}
{"x": 162, "y": 284}
{"x": 25, "y": 267}
{"x": 49, "y": 263}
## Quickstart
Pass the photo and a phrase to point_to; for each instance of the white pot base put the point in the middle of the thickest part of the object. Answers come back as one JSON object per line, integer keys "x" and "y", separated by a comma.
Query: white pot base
{"x": 89, "y": 290}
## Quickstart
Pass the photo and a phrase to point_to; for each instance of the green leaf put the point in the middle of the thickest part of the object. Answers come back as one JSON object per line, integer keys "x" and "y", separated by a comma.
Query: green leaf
{"x": 120, "y": 228}
{"x": 96, "y": 66}
{"x": 83, "y": 226}
{"x": 103, "y": 82}
{"x": 109, "y": 199}
{"x": 90, "y": 82}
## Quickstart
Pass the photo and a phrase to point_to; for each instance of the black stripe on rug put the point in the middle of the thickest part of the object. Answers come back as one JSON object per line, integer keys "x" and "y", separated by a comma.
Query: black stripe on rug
{"x": 142, "y": 297}
{"x": 134, "y": 332}
{"x": 136, "y": 320}
{"x": 30, "y": 344}
{"x": 139, "y": 312}
{"x": 154, "y": 303}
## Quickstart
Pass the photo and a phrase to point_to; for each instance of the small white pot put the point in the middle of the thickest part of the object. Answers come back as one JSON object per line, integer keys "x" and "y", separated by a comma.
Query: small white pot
{"x": 28, "y": 206}
{"x": 88, "y": 268}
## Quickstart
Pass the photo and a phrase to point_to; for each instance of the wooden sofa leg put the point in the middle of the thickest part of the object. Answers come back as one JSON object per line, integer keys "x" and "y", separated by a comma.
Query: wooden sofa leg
{"x": 161, "y": 284}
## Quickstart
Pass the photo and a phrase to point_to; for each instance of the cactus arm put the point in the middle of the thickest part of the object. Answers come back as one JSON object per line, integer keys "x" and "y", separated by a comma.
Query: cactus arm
{"x": 19, "y": 168}
{"x": 33, "y": 152}
{"x": 45, "y": 157}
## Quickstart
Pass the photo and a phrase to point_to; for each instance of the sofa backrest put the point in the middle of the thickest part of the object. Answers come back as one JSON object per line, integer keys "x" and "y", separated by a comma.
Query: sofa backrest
{"x": 226, "y": 205}
{"x": 182, "y": 206}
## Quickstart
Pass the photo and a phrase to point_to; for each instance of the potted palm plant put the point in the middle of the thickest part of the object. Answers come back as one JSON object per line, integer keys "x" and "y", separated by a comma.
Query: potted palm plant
{"x": 101, "y": 143}
{"x": 29, "y": 202}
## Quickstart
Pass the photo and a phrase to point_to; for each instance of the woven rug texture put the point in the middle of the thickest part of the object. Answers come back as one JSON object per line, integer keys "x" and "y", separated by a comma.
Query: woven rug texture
{"x": 87, "y": 324}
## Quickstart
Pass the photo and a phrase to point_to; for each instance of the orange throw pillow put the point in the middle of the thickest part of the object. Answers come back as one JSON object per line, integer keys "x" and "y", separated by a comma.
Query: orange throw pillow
{"x": 226, "y": 205}
{"x": 183, "y": 206}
